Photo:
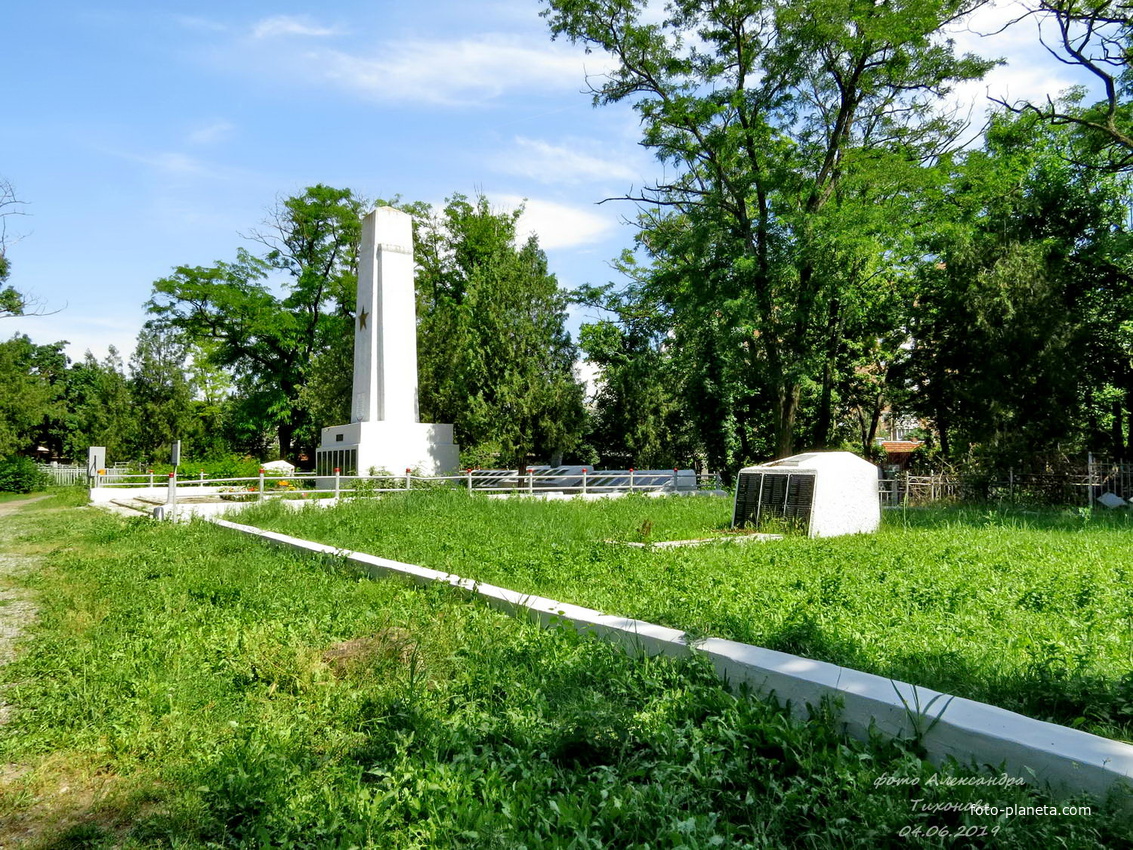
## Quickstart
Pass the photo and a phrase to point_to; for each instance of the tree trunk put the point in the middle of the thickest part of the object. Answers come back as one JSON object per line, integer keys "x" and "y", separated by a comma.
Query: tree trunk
{"x": 1126, "y": 451}
{"x": 825, "y": 417}
{"x": 785, "y": 421}
{"x": 286, "y": 432}
{"x": 1117, "y": 431}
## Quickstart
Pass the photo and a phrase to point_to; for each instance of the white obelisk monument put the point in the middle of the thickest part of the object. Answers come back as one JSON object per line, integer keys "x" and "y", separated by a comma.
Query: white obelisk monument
{"x": 384, "y": 434}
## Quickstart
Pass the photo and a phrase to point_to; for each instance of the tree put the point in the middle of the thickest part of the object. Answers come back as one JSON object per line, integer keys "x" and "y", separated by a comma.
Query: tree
{"x": 269, "y": 341}
{"x": 31, "y": 383}
{"x": 494, "y": 357}
{"x": 1096, "y": 36}
{"x": 787, "y": 126}
{"x": 12, "y": 301}
{"x": 1022, "y": 300}
{"x": 160, "y": 393}
{"x": 97, "y": 408}
{"x": 639, "y": 418}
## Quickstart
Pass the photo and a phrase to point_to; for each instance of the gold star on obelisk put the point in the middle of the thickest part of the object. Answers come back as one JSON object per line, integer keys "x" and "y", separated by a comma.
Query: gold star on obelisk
{"x": 362, "y": 319}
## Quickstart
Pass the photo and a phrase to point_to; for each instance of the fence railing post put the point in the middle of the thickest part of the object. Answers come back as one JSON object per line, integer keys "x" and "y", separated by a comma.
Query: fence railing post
{"x": 675, "y": 478}
{"x": 171, "y": 496}
{"x": 151, "y": 478}
{"x": 408, "y": 479}
{"x": 260, "y": 496}
{"x": 337, "y": 483}
{"x": 469, "y": 479}
{"x": 202, "y": 478}
{"x": 530, "y": 480}
{"x": 631, "y": 479}
{"x": 584, "y": 480}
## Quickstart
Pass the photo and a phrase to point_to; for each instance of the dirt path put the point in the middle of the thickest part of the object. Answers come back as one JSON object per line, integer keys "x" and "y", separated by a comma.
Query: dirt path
{"x": 17, "y": 607}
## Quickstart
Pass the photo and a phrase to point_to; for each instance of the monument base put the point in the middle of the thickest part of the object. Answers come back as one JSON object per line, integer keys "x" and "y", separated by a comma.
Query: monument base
{"x": 362, "y": 447}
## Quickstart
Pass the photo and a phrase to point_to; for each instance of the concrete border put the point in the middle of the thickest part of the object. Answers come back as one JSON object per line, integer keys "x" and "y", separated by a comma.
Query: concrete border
{"x": 1064, "y": 760}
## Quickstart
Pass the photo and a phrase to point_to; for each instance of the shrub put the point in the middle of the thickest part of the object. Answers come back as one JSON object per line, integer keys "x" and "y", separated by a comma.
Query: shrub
{"x": 21, "y": 475}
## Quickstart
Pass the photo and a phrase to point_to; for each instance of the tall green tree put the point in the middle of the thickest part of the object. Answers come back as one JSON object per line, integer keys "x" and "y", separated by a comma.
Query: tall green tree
{"x": 97, "y": 408}
{"x": 31, "y": 387}
{"x": 270, "y": 340}
{"x": 160, "y": 393}
{"x": 494, "y": 356}
{"x": 785, "y": 125}
{"x": 1022, "y": 300}
{"x": 638, "y": 418}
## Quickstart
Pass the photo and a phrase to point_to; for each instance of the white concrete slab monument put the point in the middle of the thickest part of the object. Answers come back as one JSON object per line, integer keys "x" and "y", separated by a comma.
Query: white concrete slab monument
{"x": 824, "y": 493}
{"x": 384, "y": 433}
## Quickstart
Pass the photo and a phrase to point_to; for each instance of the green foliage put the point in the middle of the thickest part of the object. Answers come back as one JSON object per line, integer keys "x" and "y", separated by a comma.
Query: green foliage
{"x": 1026, "y": 286}
{"x": 795, "y": 134}
{"x": 639, "y": 419}
{"x": 969, "y": 602}
{"x": 494, "y": 357}
{"x": 1096, "y": 37}
{"x": 160, "y": 391}
{"x": 98, "y": 408}
{"x": 12, "y": 302}
{"x": 31, "y": 383}
{"x": 231, "y": 694}
{"x": 21, "y": 475}
{"x": 268, "y": 341}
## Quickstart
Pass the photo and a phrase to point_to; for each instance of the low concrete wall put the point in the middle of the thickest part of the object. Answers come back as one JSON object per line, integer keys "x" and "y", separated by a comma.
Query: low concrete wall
{"x": 102, "y": 495}
{"x": 1064, "y": 760}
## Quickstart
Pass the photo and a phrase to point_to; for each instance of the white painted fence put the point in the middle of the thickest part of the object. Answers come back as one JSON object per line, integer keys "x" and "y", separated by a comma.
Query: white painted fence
{"x": 66, "y": 475}
{"x": 303, "y": 485}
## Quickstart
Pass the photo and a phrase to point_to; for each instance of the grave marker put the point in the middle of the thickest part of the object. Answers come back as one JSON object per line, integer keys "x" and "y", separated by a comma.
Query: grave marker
{"x": 825, "y": 493}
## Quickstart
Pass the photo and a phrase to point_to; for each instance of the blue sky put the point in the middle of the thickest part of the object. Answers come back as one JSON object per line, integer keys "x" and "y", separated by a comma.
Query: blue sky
{"x": 147, "y": 135}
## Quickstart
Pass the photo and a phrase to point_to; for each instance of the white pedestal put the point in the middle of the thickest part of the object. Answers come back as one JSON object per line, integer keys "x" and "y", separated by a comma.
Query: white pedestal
{"x": 393, "y": 447}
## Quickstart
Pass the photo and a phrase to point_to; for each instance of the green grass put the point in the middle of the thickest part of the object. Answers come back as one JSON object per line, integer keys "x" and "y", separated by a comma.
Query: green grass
{"x": 1029, "y": 611}
{"x": 185, "y": 687}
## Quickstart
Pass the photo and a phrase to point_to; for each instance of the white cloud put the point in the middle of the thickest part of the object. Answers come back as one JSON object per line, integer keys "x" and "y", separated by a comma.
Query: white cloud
{"x": 1001, "y": 30}
{"x": 171, "y": 162}
{"x": 456, "y": 72}
{"x": 210, "y": 134}
{"x": 87, "y": 331}
{"x": 559, "y": 225}
{"x": 286, "y": 25}
{"x": 568, "y": 163}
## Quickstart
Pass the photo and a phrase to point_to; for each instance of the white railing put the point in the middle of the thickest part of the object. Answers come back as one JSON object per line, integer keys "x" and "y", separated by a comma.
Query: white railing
{"x": 69, "y": 474}
{"x": 169, "y": 488}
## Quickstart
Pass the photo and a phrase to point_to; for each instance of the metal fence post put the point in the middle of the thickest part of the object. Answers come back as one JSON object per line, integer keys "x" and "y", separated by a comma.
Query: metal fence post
{"x": 469, "y": 479}
{"x": 151, "y": 478}
{"x": 260, "y": 496}
{"x": 530, "y": 480}
{"x": 409, "y": 479}
{"x": 337, "y": 483}
{"x": 674, "y": 480}
{"x": 631, "y": 479}
{"x": 584, "y": 480}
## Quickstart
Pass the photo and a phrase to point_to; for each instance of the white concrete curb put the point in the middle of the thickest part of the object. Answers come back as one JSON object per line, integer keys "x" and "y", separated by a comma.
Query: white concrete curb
{"x": 1066, "y": 761}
